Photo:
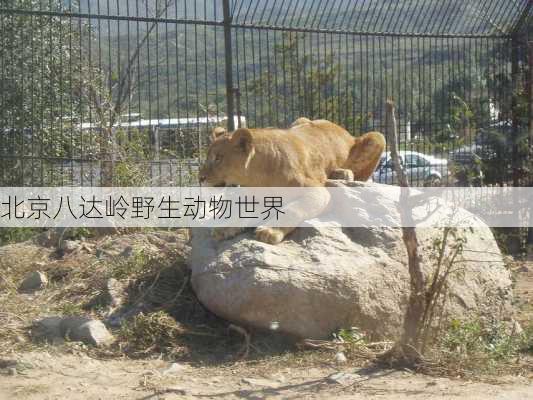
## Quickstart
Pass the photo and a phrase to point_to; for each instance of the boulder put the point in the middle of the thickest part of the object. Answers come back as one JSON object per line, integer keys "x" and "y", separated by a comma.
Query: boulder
{"x": 321, "y": 279}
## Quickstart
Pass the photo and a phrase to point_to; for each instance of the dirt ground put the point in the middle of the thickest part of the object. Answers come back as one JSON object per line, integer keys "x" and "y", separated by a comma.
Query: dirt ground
{"x": 51, "y": 372}
{"x": 53, "y": 376}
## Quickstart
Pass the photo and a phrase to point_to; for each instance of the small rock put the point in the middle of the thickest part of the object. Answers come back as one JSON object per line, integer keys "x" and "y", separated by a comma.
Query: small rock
{"x": 177, "y": 390}
{"x": 174, "y": 368}
{"x": 523, "y": 269}
{"x": 259, "y": 382}
{"x": 516, "y": 328}
{"x": 5, "y": 363}
{"x": 87, "y": 331}
{"x": 69, "y": 246}
{"x": 340, "y": 358}
{"x": 80, "y": 329}
{"x": 47, "y": 329}
{"x": 128, "y": 252}
{"x": 34, "y": 281}
{"x": 112, "y": 296}
{"x": 343, "y": 378}
{"x": 12, "y": 371}
{"x": 115, "y": 291}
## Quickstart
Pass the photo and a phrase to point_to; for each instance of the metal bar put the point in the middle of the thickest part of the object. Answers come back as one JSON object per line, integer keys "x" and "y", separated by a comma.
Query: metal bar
{"x": 11, "y": 11}
{"x": 524, "y": 16}
{"x": 515, "y": 79}
{"x": 529, "y": 240}
{"x": 228, "y": 54}
{"x": 364, "y": 33}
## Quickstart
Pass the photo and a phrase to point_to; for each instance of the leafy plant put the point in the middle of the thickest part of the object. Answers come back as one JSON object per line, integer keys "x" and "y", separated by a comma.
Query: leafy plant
{"x": 353, "y": 335}
{"x": 15, "y": 235}
{"x": 480, "y": 345}
{"x": 154, "y": 332}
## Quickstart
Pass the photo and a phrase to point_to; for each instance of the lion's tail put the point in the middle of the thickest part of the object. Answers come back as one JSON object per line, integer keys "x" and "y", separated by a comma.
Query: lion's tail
{"x": 365, "y": 155}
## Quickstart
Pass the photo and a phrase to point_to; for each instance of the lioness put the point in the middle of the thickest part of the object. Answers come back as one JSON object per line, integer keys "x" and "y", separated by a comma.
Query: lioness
{"x": 306, "y": 154}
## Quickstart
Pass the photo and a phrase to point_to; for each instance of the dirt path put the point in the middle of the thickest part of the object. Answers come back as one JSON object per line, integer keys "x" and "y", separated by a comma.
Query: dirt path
{"x": 80, "y": 377}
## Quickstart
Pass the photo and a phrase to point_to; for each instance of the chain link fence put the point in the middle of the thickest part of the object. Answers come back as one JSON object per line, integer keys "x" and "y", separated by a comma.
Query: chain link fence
{"x": 125, "y": 92}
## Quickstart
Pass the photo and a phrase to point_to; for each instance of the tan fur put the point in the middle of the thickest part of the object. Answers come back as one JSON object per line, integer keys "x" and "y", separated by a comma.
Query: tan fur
{"x": 304, "y": 155}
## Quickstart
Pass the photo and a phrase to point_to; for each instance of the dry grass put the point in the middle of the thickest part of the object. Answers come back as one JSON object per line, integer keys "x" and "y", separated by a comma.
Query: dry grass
{"x": 174, "y": 325}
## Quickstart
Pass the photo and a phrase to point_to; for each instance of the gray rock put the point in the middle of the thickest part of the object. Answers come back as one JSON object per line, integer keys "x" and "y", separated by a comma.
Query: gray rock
{"x": 321, "y": 279}
{"x": 70, "y": 246}
{"x": 523, "y": 269}
{"x": 86, "y": 330}
{"x": 34, "y": 281}
{"x": 115, "y": 290}
{"x": 47, "y": 329}
{"x": 260, "y": 382}
{"x": 343, "y": 378}
{"x": 174, "y": 369}
{"x": 113, "y": 295}
{"x": 340, "y": 358}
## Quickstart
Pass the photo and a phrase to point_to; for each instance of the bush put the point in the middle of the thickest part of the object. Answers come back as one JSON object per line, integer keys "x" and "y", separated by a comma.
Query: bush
{"x": 481, "y": 346}
{"x": 15, "y": 235}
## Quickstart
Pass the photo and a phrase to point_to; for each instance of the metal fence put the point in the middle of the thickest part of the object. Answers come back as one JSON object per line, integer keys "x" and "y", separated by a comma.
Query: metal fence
{"x": 125, "y": 92}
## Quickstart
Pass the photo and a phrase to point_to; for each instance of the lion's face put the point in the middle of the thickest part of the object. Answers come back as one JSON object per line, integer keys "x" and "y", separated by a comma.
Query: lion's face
{"x": 227, "y": 159}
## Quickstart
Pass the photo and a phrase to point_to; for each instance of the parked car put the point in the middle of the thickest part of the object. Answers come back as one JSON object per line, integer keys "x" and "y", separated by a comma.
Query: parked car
{"x": 466, "y": 166}
{"x": 421, "y": 169}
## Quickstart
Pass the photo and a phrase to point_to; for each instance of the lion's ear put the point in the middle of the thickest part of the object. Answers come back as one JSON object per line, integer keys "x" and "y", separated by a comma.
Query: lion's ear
{"x": 242, "y": 138}
{"x": 217, "y": 132}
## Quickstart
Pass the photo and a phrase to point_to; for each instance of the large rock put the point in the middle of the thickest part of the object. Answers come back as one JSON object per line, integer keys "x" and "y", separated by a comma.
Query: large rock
{"x": 321, "y": 279}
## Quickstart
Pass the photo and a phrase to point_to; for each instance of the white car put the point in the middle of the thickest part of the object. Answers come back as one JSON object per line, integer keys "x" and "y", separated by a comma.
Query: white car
{"x": 421, "y": 169}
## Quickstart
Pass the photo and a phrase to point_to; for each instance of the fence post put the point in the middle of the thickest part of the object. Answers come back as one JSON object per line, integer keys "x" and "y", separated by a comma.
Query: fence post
{"x": 228, "y": 55}
{"x": 515, "y": 118}
{"x": 156, "y": 144}
{"x": 529, "y": 91}
{"x": 238, "y": 110}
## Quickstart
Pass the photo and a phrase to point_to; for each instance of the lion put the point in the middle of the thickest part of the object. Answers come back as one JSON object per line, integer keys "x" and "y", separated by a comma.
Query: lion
{"x": 305, "y": 155}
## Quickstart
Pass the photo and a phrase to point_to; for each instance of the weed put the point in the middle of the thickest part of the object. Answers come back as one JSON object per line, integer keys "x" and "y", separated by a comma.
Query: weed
{"x": 352, "y": 336}
{"x": 148, "y": 333}
{"x": 128, "y": 267}
{"x": 480, "y": 346}
{"x": 15, "y": 235}
{"x": 71, "y": 309}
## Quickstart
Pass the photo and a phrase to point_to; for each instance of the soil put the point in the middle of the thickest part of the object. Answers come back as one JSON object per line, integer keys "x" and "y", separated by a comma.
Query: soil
{"x": 76, "y": 377}
{"x": 70, "y": 372}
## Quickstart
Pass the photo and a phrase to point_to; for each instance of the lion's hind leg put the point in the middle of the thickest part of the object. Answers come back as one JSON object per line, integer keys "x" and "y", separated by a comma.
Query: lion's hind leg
{"x": 311, "y": 204}
{"x": 365, "y": 155}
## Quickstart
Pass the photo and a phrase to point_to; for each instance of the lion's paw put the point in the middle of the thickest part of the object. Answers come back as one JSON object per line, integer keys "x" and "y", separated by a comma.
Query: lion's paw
{"x": 226, "y": 233}
{"x": 269, "y": 235}
{"x": 342, "y": 174}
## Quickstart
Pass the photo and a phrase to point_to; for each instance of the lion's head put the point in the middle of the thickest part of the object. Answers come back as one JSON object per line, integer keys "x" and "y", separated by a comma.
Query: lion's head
{"x": 228, "y": 157}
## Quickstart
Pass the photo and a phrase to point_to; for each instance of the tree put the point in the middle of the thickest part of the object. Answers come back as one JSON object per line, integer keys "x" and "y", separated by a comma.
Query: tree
{"x": 303, "y": 85}
{"x": 39, "y": 57}
{"x": 424, "y": 291}
{"x": 111, "y": 89}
